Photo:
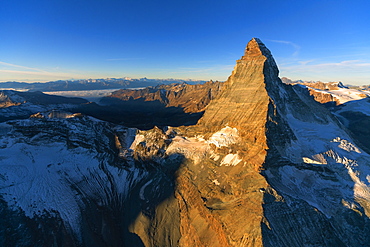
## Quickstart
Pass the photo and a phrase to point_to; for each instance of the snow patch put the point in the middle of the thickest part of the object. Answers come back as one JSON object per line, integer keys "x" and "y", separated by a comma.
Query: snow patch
{"x": 344, "y": 94}
{"x": 191, "y": 148}
{"x": 224, "y": 137}
{"x": 310, "y": 161}
{"x": 230, "y": 160}
{"x": 142, "y": 190}
{"x": 215, "y": 181}
{"x": 346, "y": 145}
{"x": 215, "y": 156}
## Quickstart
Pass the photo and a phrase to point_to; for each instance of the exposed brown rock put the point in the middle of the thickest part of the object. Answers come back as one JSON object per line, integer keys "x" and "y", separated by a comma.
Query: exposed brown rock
{"x": 5, "y": 101}
{"x": 219, "y": 188}
{"x": 221, "y": 205}
{"x": 323, "y": 97}
{"x": 243, "y": 103}
{"x": 192, "y": 98}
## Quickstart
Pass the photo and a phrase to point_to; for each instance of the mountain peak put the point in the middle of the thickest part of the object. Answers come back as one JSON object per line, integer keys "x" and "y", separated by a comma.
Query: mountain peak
{"x": 254, "y": 48}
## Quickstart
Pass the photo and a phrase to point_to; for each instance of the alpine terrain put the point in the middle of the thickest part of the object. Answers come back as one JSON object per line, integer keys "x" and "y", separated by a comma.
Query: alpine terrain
{"x": 253, "y": 161}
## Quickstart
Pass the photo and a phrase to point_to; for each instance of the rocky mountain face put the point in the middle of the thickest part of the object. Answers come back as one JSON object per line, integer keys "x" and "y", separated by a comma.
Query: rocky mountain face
{"x": 265, "y": 165}
{"x": 20, "y": 105}
{"x": 174, "y": 104}
{"x": 192, "y": 98}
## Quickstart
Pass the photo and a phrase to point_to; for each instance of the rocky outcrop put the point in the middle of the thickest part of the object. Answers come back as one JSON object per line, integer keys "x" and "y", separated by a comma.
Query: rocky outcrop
{"x": 192, "y": 98}
{"x": 5, "y": 101}
{"x": 323, "y": 97}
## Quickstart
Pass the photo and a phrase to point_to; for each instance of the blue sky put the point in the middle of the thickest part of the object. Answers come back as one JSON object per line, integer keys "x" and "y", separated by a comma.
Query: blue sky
{"x": 43, "y": 40}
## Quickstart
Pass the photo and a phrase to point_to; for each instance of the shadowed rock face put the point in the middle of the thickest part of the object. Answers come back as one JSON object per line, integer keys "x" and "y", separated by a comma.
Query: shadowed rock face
{"x": 191, "y": 98}
{"x": 163, "y": 105}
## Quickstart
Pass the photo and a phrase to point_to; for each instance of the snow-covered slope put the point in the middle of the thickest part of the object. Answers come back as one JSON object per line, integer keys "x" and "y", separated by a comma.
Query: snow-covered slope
{"x": 313, "y": 158}
{"x": 20, "y": 105}
{"x": 60, "y": 167}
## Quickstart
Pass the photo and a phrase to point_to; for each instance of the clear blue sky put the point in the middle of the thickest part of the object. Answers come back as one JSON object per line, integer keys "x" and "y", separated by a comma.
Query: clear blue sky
{"x": 42, "y": 40}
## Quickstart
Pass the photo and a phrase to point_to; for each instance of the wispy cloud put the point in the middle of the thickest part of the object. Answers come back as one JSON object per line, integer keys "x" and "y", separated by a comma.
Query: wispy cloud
{"x": 20, "y": 66}
{"x": 122, "y": 59}
{"x": 347, "y": 64}
{"x": 22, "y": 72}
{"x": 306, "y": 62}
{"x": 9, "y": 71}
{"x": 296, "y": 47}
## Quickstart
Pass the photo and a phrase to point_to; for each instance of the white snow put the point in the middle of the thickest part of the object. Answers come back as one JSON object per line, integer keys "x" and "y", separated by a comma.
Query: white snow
{"x": 362, "y": 106}
{"x": 344, "y": 94}
{"x": 340, "y": 169}
{"x": 215, "y": 181}
{"x": 224, "y": 137}
{"x": 142, "y": 189}
{"x": 230, "y": 160}
{"x": 191, "y": 148}
{"x": 346, "y": 145}
{"x": 50, "y": 177}
{"x": 311, "y": 161}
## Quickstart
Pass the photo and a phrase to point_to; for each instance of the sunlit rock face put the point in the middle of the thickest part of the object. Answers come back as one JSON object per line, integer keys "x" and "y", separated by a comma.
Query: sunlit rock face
{"x": 225, "y": 185}
{"x": 266, "y": 165}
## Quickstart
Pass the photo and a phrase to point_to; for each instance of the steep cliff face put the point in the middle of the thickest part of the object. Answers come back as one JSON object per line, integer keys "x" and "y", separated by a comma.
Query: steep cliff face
{"x": 227, "y": 178}
{"x": 219, "y": 189}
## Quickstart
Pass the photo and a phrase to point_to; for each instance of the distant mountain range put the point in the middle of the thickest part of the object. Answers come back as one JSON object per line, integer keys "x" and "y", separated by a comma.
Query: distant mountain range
{"x": 91, "y": 84}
